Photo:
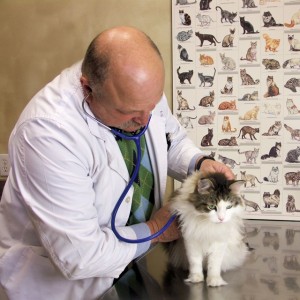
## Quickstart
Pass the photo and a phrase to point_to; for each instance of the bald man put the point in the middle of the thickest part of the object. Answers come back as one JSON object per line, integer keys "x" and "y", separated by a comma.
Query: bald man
{"x": 69, "y": 167}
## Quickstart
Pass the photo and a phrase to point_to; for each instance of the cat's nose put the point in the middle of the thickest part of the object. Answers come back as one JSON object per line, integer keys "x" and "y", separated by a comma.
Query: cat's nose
{"x": 221, "y": 218}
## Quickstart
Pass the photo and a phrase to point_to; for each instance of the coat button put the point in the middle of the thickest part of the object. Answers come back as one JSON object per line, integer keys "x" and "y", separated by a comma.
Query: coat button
{"x": 127, "y": 200}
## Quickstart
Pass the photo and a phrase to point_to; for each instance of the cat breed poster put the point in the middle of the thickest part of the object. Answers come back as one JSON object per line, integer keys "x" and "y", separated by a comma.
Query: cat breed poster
{"x": 236, "y": 90}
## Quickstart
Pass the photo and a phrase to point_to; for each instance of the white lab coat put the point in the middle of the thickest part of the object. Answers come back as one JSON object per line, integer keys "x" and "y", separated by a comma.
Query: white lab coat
{"x": 67, "y": 174}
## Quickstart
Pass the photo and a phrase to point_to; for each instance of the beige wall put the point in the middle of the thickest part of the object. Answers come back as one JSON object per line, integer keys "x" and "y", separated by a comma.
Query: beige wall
{"x": 41, "y": 37}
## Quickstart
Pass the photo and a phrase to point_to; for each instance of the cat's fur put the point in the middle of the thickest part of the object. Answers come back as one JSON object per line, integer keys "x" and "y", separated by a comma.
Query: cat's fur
{"x": 293, "y": 155}
{"x": 248, "y": 130}
{"x": 251, "y": 52}
{"x": 295, "y": 20}
{"x": 226, "y": 15}
{"x": 291, "y": 107}
{"x": 183, "y": 54}
{"x": 271, "y": 199}
{"x": 185, "y": 18}
{"x": 291, "y": 204}
{"x": 184, "y": 2}
{"x": 185, "y": 76}
{"x": 293, "y": 63}
{"x": 228, "y": 142}
{"x": 207, "y": 101}
{"x": 228, "y": 105}
{"x": 204, "y": 20}
{"x": 206, "y": 60}
{"x": 250, "y": 203}
{"x": 204, "y": 4}
{"x": 274, "y": 151}
{"x": 295, "y": 133}
{"x": 248, "y": 4}
{"x": 209, "y": 211}
{"x": 247, "y": 26}
{"x": 206, "y": 37}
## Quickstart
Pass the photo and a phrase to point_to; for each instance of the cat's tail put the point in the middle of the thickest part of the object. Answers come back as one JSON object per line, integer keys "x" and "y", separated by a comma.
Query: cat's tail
{"x": 266, "y": 134}
{"x": 292, "y": 24}
{"x": 219, "y": 7}
{"x": 257, "y": 180}
{"x": 256, "y": 81}
{"x": 284, "y": 65}
{"x": 288, "y": 128}
{"x": 294, "y": 49}
{"x": 178, "y": 70}
{"x": 266, "y": 179}
{"x": 265, "y": 156}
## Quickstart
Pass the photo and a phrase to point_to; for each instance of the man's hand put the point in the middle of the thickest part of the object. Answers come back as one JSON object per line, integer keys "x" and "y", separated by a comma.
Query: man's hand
{"x": 158, "y": 221}
{"x": 211, "y": 166}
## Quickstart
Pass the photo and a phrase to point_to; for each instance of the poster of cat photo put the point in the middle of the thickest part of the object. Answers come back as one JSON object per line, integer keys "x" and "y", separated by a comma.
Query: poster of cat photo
{"x": 236, "y": 91}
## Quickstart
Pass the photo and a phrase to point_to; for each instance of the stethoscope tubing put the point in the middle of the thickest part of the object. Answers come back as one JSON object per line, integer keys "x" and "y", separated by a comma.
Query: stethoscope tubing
{"x": 137, "y": 140}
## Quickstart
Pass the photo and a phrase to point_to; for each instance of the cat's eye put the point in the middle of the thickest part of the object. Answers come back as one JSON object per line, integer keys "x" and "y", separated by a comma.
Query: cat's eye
{"x": 228, "y": 207}
{"x": 211, "y": 207}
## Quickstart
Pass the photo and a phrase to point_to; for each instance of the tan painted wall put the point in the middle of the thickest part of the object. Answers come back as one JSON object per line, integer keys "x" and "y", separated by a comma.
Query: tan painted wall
{"x": 41, "y": 37}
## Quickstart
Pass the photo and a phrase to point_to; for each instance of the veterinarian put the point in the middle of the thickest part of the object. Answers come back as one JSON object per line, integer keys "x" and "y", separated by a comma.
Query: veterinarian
{"x": 68, "y": 170}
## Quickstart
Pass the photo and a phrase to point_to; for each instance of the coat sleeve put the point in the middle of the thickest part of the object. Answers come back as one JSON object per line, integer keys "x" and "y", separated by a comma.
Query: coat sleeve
{"x": 182, "y": 150}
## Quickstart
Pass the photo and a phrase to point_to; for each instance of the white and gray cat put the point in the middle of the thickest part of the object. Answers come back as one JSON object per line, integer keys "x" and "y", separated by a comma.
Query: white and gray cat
{"x": 209, "y": 210}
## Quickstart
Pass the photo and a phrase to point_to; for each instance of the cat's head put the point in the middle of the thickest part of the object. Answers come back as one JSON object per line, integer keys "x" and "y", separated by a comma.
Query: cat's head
{"x": 217, "y": 198}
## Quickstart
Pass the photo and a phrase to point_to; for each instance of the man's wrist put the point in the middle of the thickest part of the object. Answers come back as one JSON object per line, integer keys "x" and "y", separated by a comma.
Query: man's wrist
{"x": 201, "y": 160}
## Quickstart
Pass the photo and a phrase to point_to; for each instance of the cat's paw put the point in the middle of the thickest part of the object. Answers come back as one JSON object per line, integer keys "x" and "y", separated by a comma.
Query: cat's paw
{"x": 195, "y": 278}
{"x": 215, "y": 281}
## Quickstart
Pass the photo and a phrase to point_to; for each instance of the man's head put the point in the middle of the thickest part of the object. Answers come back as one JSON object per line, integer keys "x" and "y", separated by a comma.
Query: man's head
{"x": 123, "y": 72}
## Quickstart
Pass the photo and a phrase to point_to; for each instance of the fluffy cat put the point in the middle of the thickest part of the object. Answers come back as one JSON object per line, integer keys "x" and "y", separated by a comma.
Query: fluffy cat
{"x": 228, "y": 142}
{"x": 251, "y": 52}
{"x": 269, "y": 20}
{"x": 204, "y": 20}
{"x": 250, "y": 96}
{"x": 273, "y": 89}
{"x": 183, "y": 36}
{"x": 271, "y": 199}
{"x": 295, "y": 133}
{"x": 295, "y": 20}
{"x": 291, "y": 204}
{"x": 271, "y": 44}
{"x": 248, "y": 4}
{"x": 185, "y": 18}
{"x": 274, "y": 129}
{"x": 204, "y": 4}
{"x": 293, "y": 155}
{"x": 273, "y": 175}
{"x": 247, "y": 26}
{"x": 292, "y": 63}
{"x": 291, "y": 107}
{"x": 274, "y": 151}
{"x": 209, "y": 210}
{"x": 226, "y": 15}
{"x": 293, "y": 177}
{"x": 183, "y": 54}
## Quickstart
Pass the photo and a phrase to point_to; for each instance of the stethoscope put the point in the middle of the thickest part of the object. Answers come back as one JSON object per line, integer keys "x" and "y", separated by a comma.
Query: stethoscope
{"x": 136, "y": 137}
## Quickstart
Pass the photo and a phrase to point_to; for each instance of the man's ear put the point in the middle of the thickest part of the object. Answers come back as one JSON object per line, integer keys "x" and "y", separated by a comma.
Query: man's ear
{"x": 85, "y": 85}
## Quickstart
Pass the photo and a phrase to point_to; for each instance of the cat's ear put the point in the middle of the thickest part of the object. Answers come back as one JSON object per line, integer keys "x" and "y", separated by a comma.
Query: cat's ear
{"x": 204, "y": 186}
{"x": 236, "y": 186}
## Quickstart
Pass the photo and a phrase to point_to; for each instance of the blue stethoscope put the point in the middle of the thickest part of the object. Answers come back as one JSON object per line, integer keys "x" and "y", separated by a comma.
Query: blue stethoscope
{"x": 137, "y": 140}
